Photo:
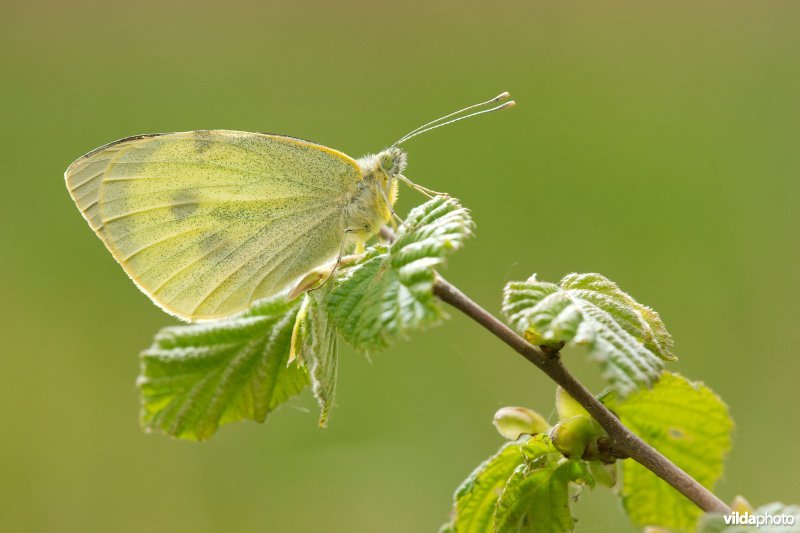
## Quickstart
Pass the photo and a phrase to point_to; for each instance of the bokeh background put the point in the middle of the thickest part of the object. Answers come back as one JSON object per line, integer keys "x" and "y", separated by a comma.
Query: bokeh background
{"x": 657, "y": 143}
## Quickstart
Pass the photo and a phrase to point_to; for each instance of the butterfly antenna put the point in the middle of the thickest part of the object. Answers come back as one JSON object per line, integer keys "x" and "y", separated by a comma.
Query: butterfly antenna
{"x": 433, "y": 124}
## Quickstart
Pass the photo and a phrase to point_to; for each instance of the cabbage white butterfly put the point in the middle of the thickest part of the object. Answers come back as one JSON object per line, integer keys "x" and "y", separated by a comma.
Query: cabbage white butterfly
{"x": 206, "y": 222}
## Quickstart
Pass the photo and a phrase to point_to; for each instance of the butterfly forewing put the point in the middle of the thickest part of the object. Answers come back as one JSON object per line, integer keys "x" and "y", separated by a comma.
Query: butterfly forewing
{"x": 206, "y": 222}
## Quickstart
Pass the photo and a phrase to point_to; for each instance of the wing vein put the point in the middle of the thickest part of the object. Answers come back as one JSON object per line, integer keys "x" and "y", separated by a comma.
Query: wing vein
{"x": 192, "y": 262}
{"x": 159, "y": 241}
{"x": 244, "y": 263}
{"x": 270, "y": 271}
{"x": 84, "y": 182}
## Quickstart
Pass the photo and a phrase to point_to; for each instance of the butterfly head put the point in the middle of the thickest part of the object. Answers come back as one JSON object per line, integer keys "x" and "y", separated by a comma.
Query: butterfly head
{"x": 383, "y": 166}
{"x": 392, "y": 161}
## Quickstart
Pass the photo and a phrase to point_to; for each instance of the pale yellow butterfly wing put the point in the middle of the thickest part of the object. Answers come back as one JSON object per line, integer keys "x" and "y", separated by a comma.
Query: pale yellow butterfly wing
{"x": 205, "y": 222}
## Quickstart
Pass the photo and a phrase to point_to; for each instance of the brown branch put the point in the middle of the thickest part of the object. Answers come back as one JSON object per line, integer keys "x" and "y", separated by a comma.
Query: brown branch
{"x": 624, "y": 442}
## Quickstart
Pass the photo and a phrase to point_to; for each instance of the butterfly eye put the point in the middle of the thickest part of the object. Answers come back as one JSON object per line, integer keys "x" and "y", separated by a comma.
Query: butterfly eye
{"x": 387, "y": 161}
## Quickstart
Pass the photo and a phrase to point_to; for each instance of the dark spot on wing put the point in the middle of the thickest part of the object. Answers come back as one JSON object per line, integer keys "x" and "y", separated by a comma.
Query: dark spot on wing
{"x": 203, "y": 141}
{"x": 184, "y": 203}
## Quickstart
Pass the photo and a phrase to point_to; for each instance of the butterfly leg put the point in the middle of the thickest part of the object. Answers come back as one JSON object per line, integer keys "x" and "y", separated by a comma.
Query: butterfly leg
{"x": 419, "y": 188}
{"x": 389, "y": 205}
{"x": 316, "y": 283}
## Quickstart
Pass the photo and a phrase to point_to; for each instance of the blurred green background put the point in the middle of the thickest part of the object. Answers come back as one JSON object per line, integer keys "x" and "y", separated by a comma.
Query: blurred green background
{"x": 656, "y": 143}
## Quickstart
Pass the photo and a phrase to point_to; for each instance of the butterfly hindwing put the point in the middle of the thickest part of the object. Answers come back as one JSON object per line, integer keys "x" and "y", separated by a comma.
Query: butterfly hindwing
{"x": 206, "y": 222}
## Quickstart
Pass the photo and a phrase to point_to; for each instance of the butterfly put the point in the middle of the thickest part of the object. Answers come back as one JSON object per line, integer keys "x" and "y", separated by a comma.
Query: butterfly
{"x": 206, "y": 222}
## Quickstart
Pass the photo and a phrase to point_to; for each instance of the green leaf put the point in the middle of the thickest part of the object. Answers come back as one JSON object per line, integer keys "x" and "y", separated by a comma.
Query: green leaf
{"x": 388, "y": 292}
{"x": 691, "y": 426}
{"x": 315, "y": 344}
{"x": 536, "y": 497}
{"x": 786, "y": 514}
{"x": 195, "y": 378}
{"x": 628, "y": 339}
{"x": 489, "y": 501}
{"x": 475, "y": 499}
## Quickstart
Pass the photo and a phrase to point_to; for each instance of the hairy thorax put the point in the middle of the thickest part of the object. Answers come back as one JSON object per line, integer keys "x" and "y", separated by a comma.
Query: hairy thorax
{"x": 370, "y": 205}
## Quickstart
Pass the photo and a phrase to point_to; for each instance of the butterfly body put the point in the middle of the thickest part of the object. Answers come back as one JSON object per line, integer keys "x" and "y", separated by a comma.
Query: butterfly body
{"x": 368, "y": 208}
{"x": 205, "y": 222}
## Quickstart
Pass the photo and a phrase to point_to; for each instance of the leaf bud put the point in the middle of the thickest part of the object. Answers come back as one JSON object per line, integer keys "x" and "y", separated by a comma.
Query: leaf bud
{"x": 572, "y": 436}
{"x": 741, "y": 506}
{"x": 567, "y": 407}
{"x": 513, "y": 422}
